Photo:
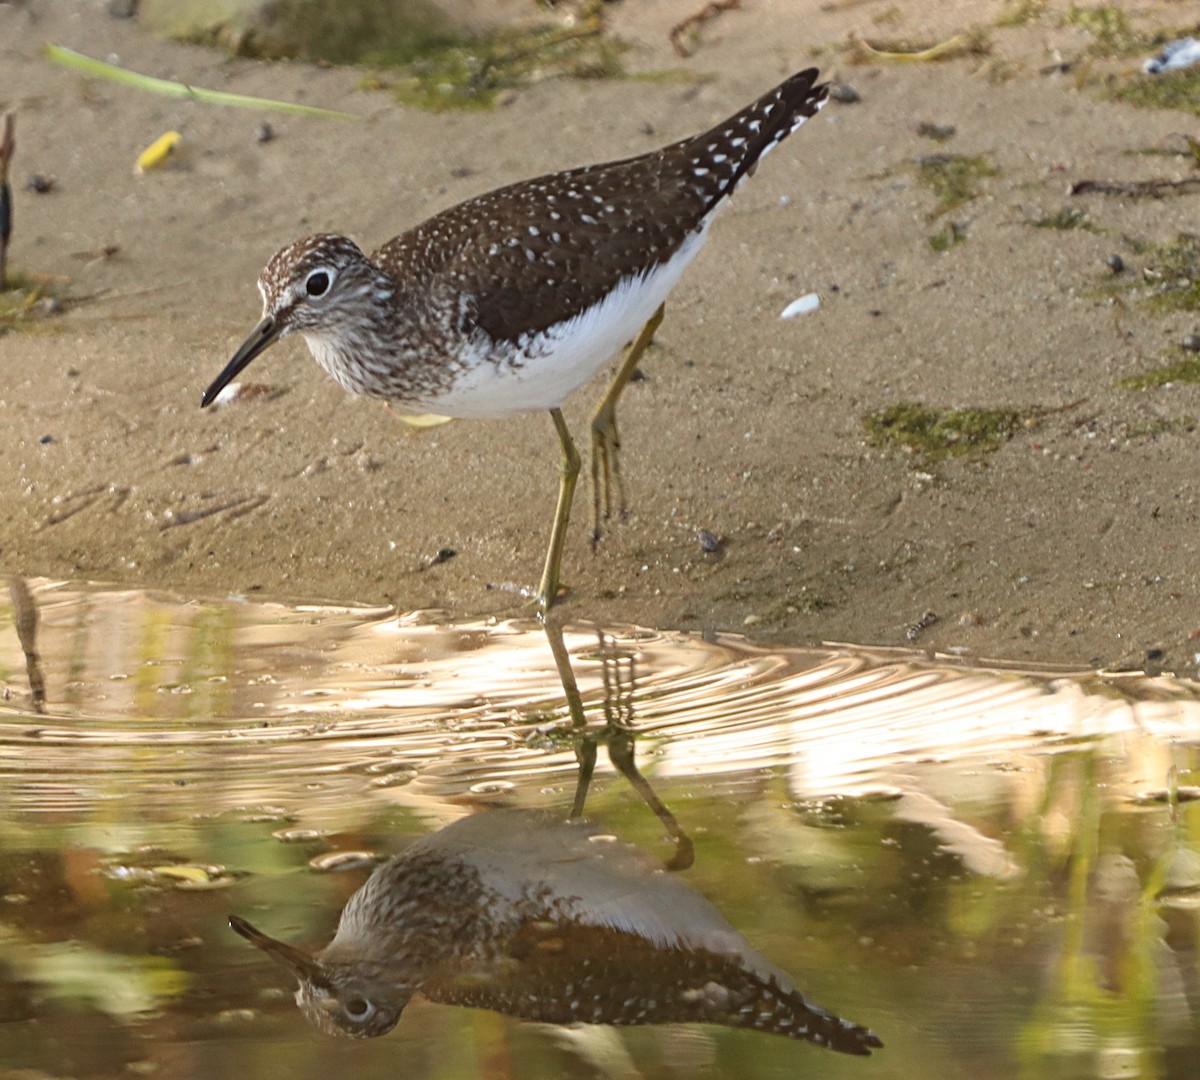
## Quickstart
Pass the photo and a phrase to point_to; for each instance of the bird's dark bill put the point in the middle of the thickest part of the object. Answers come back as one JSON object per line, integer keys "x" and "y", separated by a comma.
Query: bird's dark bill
{"x": 263, "y": 335}
{"x": 299, "y": 963}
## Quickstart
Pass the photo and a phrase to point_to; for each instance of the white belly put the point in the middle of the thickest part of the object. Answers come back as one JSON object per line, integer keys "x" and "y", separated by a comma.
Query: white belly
{"x": 569, "y": 353}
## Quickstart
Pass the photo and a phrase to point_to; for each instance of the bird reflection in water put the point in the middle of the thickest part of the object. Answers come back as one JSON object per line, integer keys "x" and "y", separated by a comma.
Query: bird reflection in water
{"x": 548, "y": 919}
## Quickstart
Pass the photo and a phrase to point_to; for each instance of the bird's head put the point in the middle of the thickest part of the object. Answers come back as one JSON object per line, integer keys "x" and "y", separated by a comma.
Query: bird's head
{"x": 338, "y": 998}
{"x": 319, "y": 286}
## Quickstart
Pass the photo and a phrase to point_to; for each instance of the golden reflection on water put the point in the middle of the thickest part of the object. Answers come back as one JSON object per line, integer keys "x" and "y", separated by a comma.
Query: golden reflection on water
{"x": 987, "y": 865}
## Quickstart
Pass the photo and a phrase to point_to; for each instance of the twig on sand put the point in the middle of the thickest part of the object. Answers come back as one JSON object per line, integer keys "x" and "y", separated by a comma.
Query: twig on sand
{"x": 1153, "y": 189}
{"x": 8, "y": 144}
{"x": 691, "y": 25}
{"x": 865, "y": 52}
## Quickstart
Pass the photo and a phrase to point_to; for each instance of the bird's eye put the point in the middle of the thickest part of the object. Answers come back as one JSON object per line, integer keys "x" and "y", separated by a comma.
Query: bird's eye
{"x": 358, "y": 1009}
{"x": 317, "y": 283}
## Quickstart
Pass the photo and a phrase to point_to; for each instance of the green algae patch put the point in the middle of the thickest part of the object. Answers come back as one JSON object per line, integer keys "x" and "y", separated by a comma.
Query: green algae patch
{"x": 27, "y": 304}
{"x": 1173, "y": 90}
{"x": 954, "y": 178}
{"x": 1169, "y": 280}
{"x": 951, "y": 236}
{"x": 1112, "y": 31}
{"x": 1175, "y": 425}
{"x": 1184, "y": 370}
{"x": 1172, "y": 274}
{"x": 1069, "y": 217}
{"x": 1022, "y": 13}
{"x": 473, "y": 75}
{"x": 348, "y": 32}
{"x": 412, "y": 47}
{"x": 940, "y": 433}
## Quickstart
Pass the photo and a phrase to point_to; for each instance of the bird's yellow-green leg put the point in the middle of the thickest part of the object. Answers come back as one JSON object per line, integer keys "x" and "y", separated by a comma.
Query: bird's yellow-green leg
{"x": 568, "y": 473}
{"x": 606, "y": 444}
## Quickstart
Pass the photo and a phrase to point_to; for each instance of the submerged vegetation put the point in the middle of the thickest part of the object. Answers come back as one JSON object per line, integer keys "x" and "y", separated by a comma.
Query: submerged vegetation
{"x": 940, "y": 433}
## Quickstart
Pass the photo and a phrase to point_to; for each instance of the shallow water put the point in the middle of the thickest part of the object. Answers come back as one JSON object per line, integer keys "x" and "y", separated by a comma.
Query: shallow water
{"x": 997, "y": 871}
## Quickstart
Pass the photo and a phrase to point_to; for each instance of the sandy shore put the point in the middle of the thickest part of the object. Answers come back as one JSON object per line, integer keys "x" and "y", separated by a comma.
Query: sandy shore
{"x": 1076, "y": 541}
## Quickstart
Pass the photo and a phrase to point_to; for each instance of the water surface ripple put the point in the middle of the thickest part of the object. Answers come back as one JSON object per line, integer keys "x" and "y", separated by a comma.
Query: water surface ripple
{"x": 996, "y": 869}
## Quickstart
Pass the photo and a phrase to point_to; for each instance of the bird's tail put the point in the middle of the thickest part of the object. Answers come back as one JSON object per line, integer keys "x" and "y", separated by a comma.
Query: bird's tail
{"x": 763, "y": 1005}
{"x": 721, "y": 158}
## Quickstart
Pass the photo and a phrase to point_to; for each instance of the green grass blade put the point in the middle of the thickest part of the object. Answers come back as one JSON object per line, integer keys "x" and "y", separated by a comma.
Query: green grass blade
{"x": 86, "y": 65}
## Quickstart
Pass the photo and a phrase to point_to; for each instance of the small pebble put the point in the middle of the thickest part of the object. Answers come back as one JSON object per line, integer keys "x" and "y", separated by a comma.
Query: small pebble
{"x": 709, "y": 542}
{"x": 46, "y": 440}
{"x": 265, "y": 133}
{"x": 1191, "y": 342}
{"x": 1116, "y": 264}
{"x": 752, "y": 620}
{"x": 39, "y": 184}
{"x": 844, "y": 94}
{"x": 443, "y": 555}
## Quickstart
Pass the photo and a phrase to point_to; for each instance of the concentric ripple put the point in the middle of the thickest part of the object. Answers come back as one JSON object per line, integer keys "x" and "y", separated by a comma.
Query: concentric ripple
{"x": 149, "y": 693}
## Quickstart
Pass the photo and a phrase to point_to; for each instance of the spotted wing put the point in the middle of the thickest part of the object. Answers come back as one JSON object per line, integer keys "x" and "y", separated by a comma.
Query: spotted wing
{"x": 533, "y": 254}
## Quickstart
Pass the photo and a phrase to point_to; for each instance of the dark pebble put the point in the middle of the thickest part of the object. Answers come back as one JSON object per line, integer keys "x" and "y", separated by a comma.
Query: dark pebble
{"x": 46, "y": 440}
{"x": 1192, "y": 342}
{"x": 39, "y": 184}
{"x": 844, "y": 95}
{"x": 940, "y": 132}
{"x": 1115, "y": 263}
{"x": 709, "y": 543}
{"x": 443, "y": 555}
{"x": 265, "y": 133}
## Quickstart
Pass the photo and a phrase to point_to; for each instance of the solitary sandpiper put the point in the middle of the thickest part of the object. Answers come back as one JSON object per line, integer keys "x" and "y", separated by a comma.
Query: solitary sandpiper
{"x": 510, "y": 301}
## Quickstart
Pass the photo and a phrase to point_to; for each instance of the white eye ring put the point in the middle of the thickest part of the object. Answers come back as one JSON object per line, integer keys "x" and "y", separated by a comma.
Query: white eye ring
{"x": 318, "y": 282}
{"x": 366, "y": 1011}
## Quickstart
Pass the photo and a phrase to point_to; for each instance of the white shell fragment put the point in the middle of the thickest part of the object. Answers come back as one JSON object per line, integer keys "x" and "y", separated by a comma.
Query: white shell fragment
{"x": 228, "y": 394}
{"x": 805, "y": 305}
{"x": 1180, "y": 53}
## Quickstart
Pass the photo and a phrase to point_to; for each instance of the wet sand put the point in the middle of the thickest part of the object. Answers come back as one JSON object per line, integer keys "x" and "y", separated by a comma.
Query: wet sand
{"x": 1075, "y": 542}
